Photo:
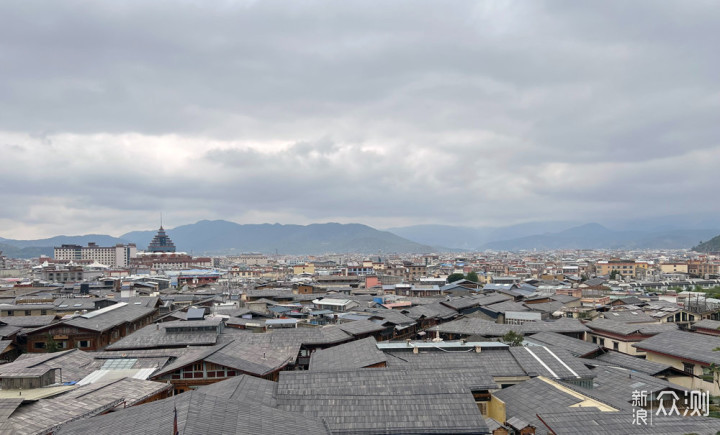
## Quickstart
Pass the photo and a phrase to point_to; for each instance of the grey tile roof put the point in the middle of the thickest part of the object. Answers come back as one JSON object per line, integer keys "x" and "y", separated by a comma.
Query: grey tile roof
{"x": 631, "y": 300}
{"x": 8, "y": 330}
{"x": 79, "y": 304}
{"x": 28, "y": 321}
{"x": 594, "y": 422}
{"x": 563, "y": 325}
{"x": 370, "y": 401}
{"x": 4, "y": 344}
{"x": 140, "y": 353}
{"x": 621, "y": 382}
{"x": 360, "y": 327}
{"x": 390, "y": 316}
{"x": 496, "y": 362}
{"x": 707, "y": 324}
{"x": 546, "y": 307}
{"x": 493, "y": 424}
{"x": 157, "y": 336}
{"x": 435, "y": 310}
{"x": 449, "y": 413}
{"x": 575, "y": 346}
{"x": 476, "y": 326}
{"x": 505, "y": 306}
{"x": 243, "y": 388}
{"x": 282, "y": 293}
{"x": 8, "y": 406}
{"x": 492, "y": 298}
{"x": 323, "y": 335}
{"x": 517, "y": 423}
{"x": 592, "y": 282}
{"x": 630, "y": 328}
{"x": 485, "y": 328}
{"x": 629, "y": 316}
{"x": 199, "y": 413}
{"x": 107, "y": 320}
{"x": 355, "y": 354}
{"x": 564, "y": 298}
{"x": 258, "y": 357}
{"x": 144, "y": 301}
{"x": 462, "y": 303}
{"x": 75, "y": 364}
{"x": 553, "y": 363}
{"x": 255, "y": 322}
{"x": 233, "y": 312}
{"x": 382, "y": 382}
{"x": 684, "y": 345}
{"x": 130, "y": 390}
{"x": 45, "y": 415}
{"x": 536, "y": 396}
{"x": 619, "y": 359}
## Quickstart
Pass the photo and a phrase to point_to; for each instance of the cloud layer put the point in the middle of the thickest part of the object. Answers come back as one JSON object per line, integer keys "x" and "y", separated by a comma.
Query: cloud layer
{"x": 386, "y": 113}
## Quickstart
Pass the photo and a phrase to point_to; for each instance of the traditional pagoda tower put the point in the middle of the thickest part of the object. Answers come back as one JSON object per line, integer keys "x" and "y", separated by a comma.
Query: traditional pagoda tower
{"x": 161, "y": 242}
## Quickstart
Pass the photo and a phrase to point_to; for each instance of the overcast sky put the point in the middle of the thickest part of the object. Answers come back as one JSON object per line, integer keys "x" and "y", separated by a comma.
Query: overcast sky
{"x": 384, "y": 113}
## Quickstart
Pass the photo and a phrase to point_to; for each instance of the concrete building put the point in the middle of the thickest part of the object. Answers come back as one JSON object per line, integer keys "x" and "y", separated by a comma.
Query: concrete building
{"x": 115, "y": 256}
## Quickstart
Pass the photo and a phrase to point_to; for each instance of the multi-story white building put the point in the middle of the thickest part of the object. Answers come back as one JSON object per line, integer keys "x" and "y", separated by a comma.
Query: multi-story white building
{"x": 114, "y": 256}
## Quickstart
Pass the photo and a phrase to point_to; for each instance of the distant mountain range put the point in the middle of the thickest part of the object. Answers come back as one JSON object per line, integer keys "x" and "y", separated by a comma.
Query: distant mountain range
{"x": 596, "y": 236}
{"x": 712, "y": 245}
{"x": 223, "y": 237}
{"x": 15, "y": 252}
{"x": 555, "y": 235}
{"x": 227, "y": 237}
{"x": 471, "y": 239}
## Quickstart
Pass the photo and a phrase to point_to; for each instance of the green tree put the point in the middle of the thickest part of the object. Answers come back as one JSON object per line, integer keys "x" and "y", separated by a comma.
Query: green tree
{"x": 52, "y": 345}
{"x": 472, "y": 276}
{"x": 455, "y": 277}
{"x": 512, "y": 338}
{"x": 615, "y": 274}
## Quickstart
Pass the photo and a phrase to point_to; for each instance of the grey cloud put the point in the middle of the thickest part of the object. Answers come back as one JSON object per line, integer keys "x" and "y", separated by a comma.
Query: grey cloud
{"x": 393, "y": 111}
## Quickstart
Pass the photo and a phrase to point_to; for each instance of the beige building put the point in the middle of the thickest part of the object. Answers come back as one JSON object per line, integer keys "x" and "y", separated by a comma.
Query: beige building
{"x": 113, "y": 256}
{"x": 299, "y": 269}
{"x": 623, "y": 267}
{"x": 674, "y": 268}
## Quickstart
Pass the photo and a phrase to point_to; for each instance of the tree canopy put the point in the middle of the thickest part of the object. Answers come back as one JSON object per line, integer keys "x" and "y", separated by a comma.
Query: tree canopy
{"x": 455, "y": 277}
{"x": 512, "y": 338}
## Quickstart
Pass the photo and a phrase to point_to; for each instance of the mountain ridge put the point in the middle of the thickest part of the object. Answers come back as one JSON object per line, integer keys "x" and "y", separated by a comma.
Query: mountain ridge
{"x": 225, "y": 237}
{"x": 712, "y": 245}
{"x": 596, "y": 236}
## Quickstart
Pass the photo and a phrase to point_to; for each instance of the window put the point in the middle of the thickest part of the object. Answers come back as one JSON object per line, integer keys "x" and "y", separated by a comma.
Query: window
{"x": 28, "y": 313}
{"x": 11, "y": 313}
{"x": 84, "y": 343}
{"x": 688, "y": 368}
{"x": 39, "y": 345}
{"x": 43, "y": 312}
{"x": 616, "y": 345}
